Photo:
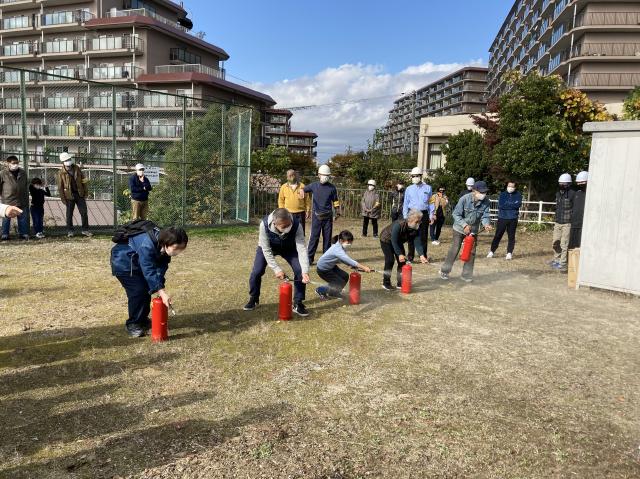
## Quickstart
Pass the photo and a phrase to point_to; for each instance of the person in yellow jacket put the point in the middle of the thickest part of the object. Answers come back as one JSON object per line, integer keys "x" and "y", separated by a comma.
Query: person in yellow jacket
{"x": 289, "y": 198}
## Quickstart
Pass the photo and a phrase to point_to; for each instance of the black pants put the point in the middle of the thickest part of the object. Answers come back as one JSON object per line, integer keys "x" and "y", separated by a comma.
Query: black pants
{"x": 424, "y": 236}
{"x": 336, "y": 280}
{"x": 139, "y": 299}
{"x": 436, "y": 228}
{"x": 395, "y": 215}
{"x": 391, "y": 258}
{"x": 365, "y": 226}
{"x": 302, "y": 216}
{"x": 82, "y": 208}
{"x": 260, "y": 266}
{"x": 319, "y": 226}
{"x": 510, "y": 227}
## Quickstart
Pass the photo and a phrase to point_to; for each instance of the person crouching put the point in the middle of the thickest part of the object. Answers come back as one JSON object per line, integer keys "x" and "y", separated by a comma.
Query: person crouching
{"x": 140, "y": 265}
{"x": 329, "y": 270}
{"x": 280, "y": 235}
{"x": 392, "y": 240}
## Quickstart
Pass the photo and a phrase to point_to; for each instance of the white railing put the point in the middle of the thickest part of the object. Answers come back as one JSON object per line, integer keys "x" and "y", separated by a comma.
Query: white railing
{"x": 146, "y": 13}
{"x": 191, "y": 68}
{"x": 530, "y": 211}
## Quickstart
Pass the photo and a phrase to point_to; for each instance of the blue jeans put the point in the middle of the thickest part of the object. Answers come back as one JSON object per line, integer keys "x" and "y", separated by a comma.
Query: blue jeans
{"x": 23, "y": 223}
{"x": 139, "y": 298}
{"x": 37, "y": 218}
{"x": 260, "y": 265}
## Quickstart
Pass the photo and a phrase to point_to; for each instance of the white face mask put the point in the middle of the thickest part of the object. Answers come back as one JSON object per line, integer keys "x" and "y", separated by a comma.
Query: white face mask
{"x": 480, "y": 196}
{"x": 68, "y": 163}
{"x": 285, "y": 230}
{"x": 13, "y": 167}
{"x": 371, "y": 187}
{"x": 415, "y": 226}
{"x": 172, "y": 250}
{"x": 510, "y": 189}
{"x": 324, "y": 179}
{"x": 416, "y": 180}
{"x": 469, "y": 187}
{"x": 140, "y": 172}
{"x": 400, "y": 187}
{"x": 346, "y": 245}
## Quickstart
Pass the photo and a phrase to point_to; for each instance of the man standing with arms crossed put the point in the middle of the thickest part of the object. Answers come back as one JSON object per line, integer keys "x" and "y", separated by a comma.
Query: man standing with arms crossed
{"x": 300, "y": 208}
{"x": 417, "y": 197}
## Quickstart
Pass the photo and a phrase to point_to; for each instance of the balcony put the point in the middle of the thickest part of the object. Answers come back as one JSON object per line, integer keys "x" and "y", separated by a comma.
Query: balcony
{"x": 62, "y": 48}
{"x": 134, "y": 12}
{"x": 16, "y": 25}
{"x": 606, "y": 50}
{"x": 608, "y": 19}
{"x": 606, "y": 80}
{"x": 275, "y": 129}
{"x": 111, "y": 46}
{"x": 13, "y": 76}
{"x": 60, "y": 75}
{"x": 18, "y": 51}
{"x": 115, "y": 73}
{"x": 15, "y": 103}
{"x": 65, "y": 20}
{"x": 191, "y": 68}
{"x": 10, "y": 5}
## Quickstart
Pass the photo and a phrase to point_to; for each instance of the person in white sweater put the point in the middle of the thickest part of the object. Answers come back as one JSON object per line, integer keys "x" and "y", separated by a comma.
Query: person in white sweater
{"x": 8, "y": 211}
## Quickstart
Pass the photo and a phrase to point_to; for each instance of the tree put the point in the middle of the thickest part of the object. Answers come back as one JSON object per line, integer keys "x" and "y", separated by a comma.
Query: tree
{"x": 631, "y": 107}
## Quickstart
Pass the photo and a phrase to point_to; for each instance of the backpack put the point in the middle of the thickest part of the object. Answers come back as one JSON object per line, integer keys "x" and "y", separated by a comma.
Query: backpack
{"x": 123, "y": 232}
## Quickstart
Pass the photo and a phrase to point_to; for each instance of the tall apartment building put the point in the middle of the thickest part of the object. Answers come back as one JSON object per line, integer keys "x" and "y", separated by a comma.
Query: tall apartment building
{"x": 462, "y": 92}
{"x": 594, "y": 45}
{"x": 277, "y": 131}
{"x": 141, "y": 43}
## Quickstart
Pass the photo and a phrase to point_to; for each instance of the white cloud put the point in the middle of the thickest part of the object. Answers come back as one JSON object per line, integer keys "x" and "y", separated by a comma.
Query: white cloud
{"x": 350, "y": 124}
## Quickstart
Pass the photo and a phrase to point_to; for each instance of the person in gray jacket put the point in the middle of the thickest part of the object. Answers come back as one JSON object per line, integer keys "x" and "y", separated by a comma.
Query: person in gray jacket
{"x": 370, "y": 208}
{"x": 280, "y": 235}
{"x": 471, "y": 211}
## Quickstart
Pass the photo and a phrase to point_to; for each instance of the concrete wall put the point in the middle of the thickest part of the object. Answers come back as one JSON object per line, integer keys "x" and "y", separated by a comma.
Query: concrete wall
{"x": 438, "y": 130}
{"x": 609, "y": 255}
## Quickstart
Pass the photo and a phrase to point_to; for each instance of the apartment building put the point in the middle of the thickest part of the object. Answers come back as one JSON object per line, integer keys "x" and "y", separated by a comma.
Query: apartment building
{"x": 461, "y": 92}
{"x": 594, "y": 45}
{"x": 145, "y": 44}
{"x": 277, "y": 131}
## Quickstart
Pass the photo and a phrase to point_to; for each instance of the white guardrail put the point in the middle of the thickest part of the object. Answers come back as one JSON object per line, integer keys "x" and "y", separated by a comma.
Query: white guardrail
{"x": 530, "y": 212}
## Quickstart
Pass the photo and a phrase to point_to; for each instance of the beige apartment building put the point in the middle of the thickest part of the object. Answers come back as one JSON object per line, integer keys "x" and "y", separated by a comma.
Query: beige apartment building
{"x": 144, "y": 44}
{"x": 594, "y": 45}
{"x": 458, "y": 93}
{"x": 277, "y": 131}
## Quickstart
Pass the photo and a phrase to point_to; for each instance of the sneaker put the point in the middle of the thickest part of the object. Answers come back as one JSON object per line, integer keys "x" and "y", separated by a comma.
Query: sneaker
{"x": 135, "y": 330}
{"x": 300, "y": 310}
{"x": 466, "y": 280}
{"x": 40, "y": 235}
{"x": 490, "y": 254}
{"x": 509, "y": 256}
{"x": 388, "y": 287}
{"x": 435, "y": 242}
{"x": 552, "y": 263}
{"x": 322, "y": 292}
{"x": 375, "y": 236}
{"x": 444, "y": 276}
{"x": 5, "y": 238}
{"x": 88, "y": 234}
{"x": 24, "y": 237}
{"x": 559, "y": 266}
{"x": 251, "y": 305}
{"x": 70, "y": 234}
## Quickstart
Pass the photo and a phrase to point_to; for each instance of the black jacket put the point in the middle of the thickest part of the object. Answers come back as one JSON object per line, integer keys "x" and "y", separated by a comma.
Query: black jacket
{"x": 564, "y": 206}
{"x": 37, "y": 196}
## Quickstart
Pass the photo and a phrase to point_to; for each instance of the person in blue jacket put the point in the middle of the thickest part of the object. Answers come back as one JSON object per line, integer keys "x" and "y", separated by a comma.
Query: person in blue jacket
{"x": 509, "y": 203}
{"x": 140, "y": 186}
{"x": 140, "y": 265}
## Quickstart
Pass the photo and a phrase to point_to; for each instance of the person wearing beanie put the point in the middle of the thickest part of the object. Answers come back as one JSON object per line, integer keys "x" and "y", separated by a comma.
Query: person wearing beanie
{"x": 139, "y": 186}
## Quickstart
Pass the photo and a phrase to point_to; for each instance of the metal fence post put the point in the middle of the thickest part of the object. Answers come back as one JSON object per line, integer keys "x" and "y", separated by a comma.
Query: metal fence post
{"x": 113, "y": 155}
{"x": 184, "y": 160}
{"x": 23, "y": 121}
{"x": 222, "y": 149}
{"x": 540, "y": 212}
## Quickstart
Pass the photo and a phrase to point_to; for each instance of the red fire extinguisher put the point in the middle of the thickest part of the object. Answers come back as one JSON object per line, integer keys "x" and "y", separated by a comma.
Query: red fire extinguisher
{"x": 355, "y": 283}
{"x": 467, "y": 247}
{"x": 286, "y": 293}
{"x": 159, "y": 321}
{"x": 407, "y": 273}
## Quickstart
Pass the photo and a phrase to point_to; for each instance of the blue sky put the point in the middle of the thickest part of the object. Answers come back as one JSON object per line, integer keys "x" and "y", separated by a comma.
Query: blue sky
{"x": 304, "y": 52}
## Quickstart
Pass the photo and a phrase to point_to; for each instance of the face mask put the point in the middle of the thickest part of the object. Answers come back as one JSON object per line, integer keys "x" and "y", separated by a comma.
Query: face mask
{"x": 470, "y": 188}
{"x": 346, "y": 245}
{"x": 416, "y": 180}
{"x": 510, "y": 189}
{"x": 68, "y": 163}
{"x": 480, "y": 196}
{"x": 564, "y": 187}
{"x": 324, "y": 179}
{"x": 13, "y": 167}
{"x": 414, "y": 227}
{"x": 286, "y": 230}
{"x": 172, "y": 253}
{"x": 400, "y": 187}
{"x": 140, "y": 172}
{"x": 371, "y": 187}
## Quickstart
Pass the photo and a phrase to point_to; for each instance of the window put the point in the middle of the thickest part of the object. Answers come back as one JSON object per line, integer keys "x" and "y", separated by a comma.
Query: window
{"x": 182, "y": 55}
{"x": 434, "y": 157}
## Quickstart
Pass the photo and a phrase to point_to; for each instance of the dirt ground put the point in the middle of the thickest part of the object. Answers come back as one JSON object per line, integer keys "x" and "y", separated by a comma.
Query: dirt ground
{"x": 511, "y": 376}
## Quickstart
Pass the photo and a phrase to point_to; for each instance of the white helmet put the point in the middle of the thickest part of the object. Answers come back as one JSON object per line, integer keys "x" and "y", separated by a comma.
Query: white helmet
{"x": 371, "y": 182}
{"x": 582, "y": 177}
{"x": 324, "y": 170}
{"x": 139, "y": 166}
{"x": 565, "y": 178}
{"x": 64, "y": 156}
{"x": 470, "y": 182}
{"x": 416, "y": 171}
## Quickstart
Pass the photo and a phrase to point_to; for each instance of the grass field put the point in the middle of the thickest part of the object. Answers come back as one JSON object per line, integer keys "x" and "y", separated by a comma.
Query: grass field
{"x": 511, "y": 376}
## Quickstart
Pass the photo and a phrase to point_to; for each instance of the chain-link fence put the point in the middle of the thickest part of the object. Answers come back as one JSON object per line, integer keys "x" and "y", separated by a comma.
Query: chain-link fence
{"x": 196, "y": 152}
